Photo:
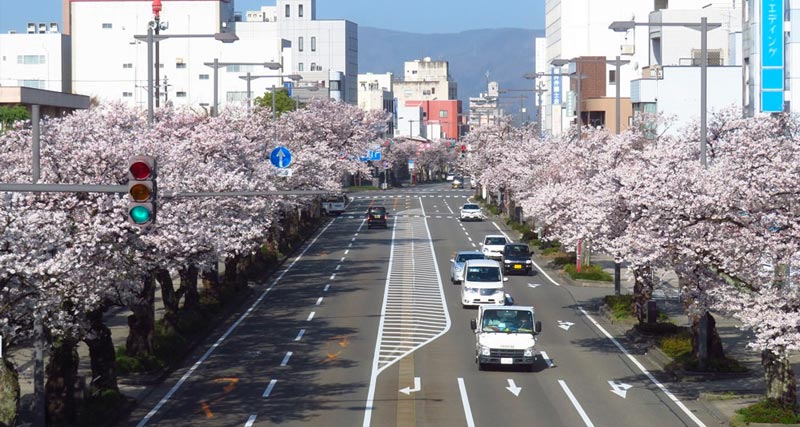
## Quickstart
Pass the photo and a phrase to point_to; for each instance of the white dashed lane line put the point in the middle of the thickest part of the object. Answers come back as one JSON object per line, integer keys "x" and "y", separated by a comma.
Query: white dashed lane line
{"x": 269, "y": 388}
{"x": 319, "y": 301}
{"x": 327, "y": 286}
{"x": 300, "y": 335}
{"x": 310, "y": 316}
{"x": 286, "y": 358}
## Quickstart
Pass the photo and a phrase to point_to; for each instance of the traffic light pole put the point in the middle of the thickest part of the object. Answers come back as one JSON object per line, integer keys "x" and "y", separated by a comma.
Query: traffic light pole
{"x": 123, "y": 189}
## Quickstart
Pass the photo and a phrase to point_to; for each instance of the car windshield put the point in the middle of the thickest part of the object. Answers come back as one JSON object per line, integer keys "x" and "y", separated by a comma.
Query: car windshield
{"x": 507, "y": 321}
{"x": 483, "y": 274}
{"x": 471, "y": 207}
{"x": 377, "y": 211}
{"x": 516, "y": 250}
{"x": 465, "y": 257}
{"x": 495, "y": 241}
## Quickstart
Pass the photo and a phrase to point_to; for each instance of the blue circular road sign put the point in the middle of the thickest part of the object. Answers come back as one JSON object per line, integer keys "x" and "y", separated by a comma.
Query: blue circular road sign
{"x": 281, "y": 157}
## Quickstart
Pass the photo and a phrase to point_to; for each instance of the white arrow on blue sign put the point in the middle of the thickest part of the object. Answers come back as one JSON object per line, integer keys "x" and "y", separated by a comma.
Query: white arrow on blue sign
{"x": 281, "y": 157}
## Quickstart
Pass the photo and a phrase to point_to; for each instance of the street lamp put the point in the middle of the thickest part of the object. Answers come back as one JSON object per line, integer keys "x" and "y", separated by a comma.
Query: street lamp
{"x": 152, "y": 38}
{"x": 617, "y": 63}
{"x": 703, "y": 26}
{"x": 216, "y": 66}
{"x": 249, "y": 77}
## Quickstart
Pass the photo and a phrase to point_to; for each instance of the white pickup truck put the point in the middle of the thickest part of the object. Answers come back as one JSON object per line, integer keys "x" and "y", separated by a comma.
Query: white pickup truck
{"x": 505, "y": 335}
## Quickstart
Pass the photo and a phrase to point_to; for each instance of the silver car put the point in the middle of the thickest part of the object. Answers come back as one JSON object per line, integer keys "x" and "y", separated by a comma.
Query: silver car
{"x": 457, "y": 264}
{"x": 470, "y": 211}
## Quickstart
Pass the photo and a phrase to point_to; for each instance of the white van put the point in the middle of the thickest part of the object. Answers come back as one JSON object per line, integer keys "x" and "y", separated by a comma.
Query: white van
{"x": 483, "y": 283}
{"x": 334, "y": 205}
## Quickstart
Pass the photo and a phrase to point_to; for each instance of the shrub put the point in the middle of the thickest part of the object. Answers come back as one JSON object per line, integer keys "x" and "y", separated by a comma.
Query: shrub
{"x": 590, "y": 272}
{"x": 127, "y": 364}
{"x": 103, "y": 408}
{"x": 620, "y": 306}
{"x": 562, "y": 259}
{"x": 677, "y": 346}
{"x": 769, "y": 411}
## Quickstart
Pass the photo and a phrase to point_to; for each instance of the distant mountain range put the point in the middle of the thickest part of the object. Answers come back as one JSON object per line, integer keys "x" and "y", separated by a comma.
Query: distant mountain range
{"x": 506, "y": 54}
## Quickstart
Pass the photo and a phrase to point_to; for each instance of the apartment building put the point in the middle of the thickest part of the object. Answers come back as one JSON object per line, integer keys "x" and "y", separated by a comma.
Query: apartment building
{"x": 39, "y": 58}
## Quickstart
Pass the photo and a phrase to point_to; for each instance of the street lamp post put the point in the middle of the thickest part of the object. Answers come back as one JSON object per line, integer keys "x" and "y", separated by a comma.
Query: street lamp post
{"x": 579, "y": 76}
{"x": 704, "y": 27}
{"x": 249, "y": 77}
{"x": 152, "y": 38}
{"x": 216, "y": 65}
{"x": 617, "y": 63}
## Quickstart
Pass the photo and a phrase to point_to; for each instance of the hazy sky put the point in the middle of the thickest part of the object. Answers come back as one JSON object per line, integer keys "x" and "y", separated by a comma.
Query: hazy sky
{"x": 418, "y": 16}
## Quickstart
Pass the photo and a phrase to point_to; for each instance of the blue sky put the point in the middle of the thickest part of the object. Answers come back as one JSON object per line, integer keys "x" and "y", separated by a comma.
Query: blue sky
{"x": 419, "y": 16}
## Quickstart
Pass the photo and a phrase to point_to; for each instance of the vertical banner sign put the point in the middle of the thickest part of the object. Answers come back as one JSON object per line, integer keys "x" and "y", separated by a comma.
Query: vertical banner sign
{"x": 555, "y": 87}
{"x": 772, "y": 56}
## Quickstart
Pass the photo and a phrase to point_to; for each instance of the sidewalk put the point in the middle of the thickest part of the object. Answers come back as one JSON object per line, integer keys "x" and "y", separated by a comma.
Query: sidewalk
{"x": 721, "y": 394}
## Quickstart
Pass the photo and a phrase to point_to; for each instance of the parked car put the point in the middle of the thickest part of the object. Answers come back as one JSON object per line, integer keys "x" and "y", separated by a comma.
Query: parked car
{"x": 483, "y": 283}
{"x": 458, "y": 261}
{"x": 517, "y": 258}
{"x": 493, "y": 245}
{"x": 377, "y": 216}
{"x": 470, "y": 211}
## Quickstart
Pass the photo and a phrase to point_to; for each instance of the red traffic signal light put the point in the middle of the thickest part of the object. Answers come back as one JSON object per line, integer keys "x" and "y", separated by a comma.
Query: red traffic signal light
{"x": 463, "y": 148}
{"x": 141, "y": 190}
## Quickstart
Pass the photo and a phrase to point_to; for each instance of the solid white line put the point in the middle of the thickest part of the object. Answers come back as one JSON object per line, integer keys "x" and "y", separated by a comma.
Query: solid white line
{"x": 310, "y": 316}
{"x": 319, "y": 300}
{"x": 465, "y": 403}
{"x": 327, "y": 286}
{"x": 286, "y": 358}
{"x": 547, "y": 359}
{"x": 224, "y": 336}
{"x": 269, "y": 388}
{"x": 645, "y": 371}
{"x": 575, "y": 403}
{"x": 300, "y": 335}
{"x": 510, "y": 240}
{"x": 250, "y": 421}
{"x": 534, "y": 262}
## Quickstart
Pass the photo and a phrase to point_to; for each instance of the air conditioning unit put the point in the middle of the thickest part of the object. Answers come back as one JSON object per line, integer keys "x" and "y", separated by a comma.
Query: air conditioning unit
{"x": 627, "y": 49}
{"x": 31, "y": 28}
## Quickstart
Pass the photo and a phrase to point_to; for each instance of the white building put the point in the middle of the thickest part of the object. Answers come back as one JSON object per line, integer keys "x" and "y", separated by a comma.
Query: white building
{"x": 375, "y": 92}
{"x": 38, "y": 59}
{"x": 410, "y": 122}
{"x": 485, "y": 109}
{"x": 425, "y": 80}
{"x": 287, "y": 34}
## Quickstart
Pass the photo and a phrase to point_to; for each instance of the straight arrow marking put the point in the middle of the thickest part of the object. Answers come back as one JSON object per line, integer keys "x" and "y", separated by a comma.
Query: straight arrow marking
{"x": 565, "y": 325}
{"x": 620, "y": 389}
{"x": 417, "y": 387}
{"x": 512, "y": 387}
{"x": 533, "y": 285}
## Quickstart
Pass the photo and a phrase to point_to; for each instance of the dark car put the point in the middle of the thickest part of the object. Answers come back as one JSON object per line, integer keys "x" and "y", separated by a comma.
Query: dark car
{"x": 377, "y": 216}
{"x": 517, "y": 258}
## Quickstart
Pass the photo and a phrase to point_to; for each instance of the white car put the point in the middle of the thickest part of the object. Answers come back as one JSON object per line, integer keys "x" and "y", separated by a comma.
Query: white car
{"x": 470, "y": 211}
{"x": 493, "y": 245}
{"x": 450, "y": 176}
{"x": 483, "y": 283}
{"x": 458, "y": 261}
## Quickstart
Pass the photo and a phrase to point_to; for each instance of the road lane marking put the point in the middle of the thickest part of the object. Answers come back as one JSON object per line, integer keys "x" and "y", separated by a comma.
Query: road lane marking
{"x": 347, "y": 251}
{"x": 547, "y": 359}
{"x": 333, "y": 276}
{"x": 250, "y": 421}
{"x": 534, "y": 262}
{"x": 143, "y": 422}
{"x": 327, "y": 286}
{"x": 645, "y": 371}
{"x": 576, "y": 404}
{"x": 286, "y": 358}
{"x": 319, "y": 301}
{"x": 300, "y": 335}
{"x": 271, "y": 386}
{"x": 465, "y": 403}
{"x": 310, "y": 316}
{"x": 341, "y": 260}
{"x": 338, "y": 267}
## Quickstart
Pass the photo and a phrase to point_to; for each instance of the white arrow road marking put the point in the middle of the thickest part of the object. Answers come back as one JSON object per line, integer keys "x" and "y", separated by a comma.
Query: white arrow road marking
{"x": 465, "y": 402}
{"x": 417, "y": 387}
{"x": 620, "y": 389}
{"x": 512, "y": 387}
{"x": 533, "y": 285}
{"x": 547, "y": 359}
{"x": 565, "y": 325}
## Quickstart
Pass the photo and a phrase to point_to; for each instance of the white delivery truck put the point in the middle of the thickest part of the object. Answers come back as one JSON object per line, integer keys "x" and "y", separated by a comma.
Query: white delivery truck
{"x": 334, "y": 204}
{"x": 505, "y": 335}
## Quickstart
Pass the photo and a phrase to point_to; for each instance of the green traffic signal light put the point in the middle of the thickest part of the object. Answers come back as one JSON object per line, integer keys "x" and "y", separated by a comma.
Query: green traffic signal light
{"x": 140, "y": 214}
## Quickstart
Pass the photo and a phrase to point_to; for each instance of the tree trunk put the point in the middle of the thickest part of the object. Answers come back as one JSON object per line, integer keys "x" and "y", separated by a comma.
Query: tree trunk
{"x": 706, "y": 331}
{"x": 642, "y": 289}
{"x": 779, "y": 377}
{"x": 586, "y": 253}
{"x": 9, "y": 393}
{"x": 142, "y": 322}
{"x": 101, "y": 353}
{"x": 232, "y": 273}
{"x": 62, "y": 382}
{"x": 169, "y": 298}
{"x": 191, "y": 297}
{"x": 211, "y": 285}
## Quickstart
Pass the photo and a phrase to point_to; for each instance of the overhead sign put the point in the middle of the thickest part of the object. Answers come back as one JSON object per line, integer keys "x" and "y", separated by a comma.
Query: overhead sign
{"x": 555, "y": 87}
{"x": 772, "y": 56}
{"x": 280, "y": 157}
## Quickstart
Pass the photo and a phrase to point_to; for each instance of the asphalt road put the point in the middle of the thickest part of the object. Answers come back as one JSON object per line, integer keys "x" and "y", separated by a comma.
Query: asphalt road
{"x": 363, "y": 327}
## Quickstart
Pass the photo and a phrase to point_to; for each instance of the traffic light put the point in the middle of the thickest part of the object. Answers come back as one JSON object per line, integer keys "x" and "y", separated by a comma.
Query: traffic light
{"x": 141, "y": 190}
{"x": 463, "y": 150}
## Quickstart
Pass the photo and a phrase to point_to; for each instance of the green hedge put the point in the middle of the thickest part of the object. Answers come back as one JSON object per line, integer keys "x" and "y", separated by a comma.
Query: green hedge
{"x": 620, "y": 306}
{"x": 769, "y": 411}
{"x": 590, "y": 272}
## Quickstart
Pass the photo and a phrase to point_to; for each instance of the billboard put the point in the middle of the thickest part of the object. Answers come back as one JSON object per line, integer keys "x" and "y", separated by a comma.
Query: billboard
{"x": 772, "y": 56}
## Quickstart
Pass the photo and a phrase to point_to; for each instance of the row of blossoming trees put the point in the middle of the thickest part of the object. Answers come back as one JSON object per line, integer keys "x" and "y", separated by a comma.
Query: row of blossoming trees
{"x": 730, "y": 230}
{"x": 65, "y": 258}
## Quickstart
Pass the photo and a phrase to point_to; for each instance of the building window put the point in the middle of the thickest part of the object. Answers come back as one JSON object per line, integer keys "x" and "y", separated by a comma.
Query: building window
{"x": 313, "y": 44}
{"x": 180, "y": 65}
{"x": 128, "y": 65}
{"x": 313, "y": 66}
{"x": 233, "y": 68}
{"x": 106, "y": 26}
{"x": 203, "y": 76}
{"x": 36, "y": 84}
{"x": 180, "y": 94}
{"x": 442, "y": 113}
{"x": 288, "y": 11}
{"x": 612, "y": 77}
{"x": 300, "y": 44}
{"x": 30, "y": 59}
{"x": 127, "y": 94}
{"x": 237, "y": 96}
{"x": 300, "y": 11}
{"x": 433, "y": 91}
{"x": 300, "y": 67}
